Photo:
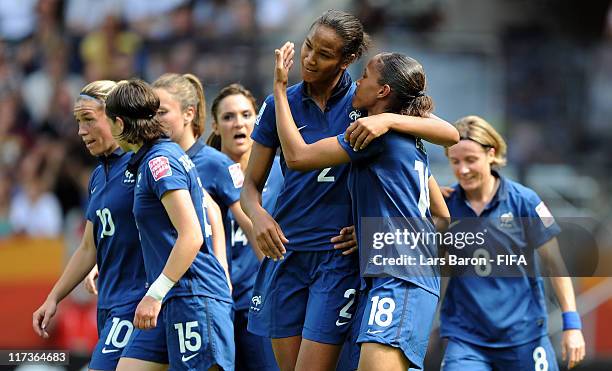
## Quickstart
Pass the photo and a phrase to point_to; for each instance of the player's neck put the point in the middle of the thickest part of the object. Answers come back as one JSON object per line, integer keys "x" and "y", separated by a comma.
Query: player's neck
{"x": 379, "y": 107}
{"x": 242, "y": 159}
{"x": 321, "y": 91}
{"x": 483, "y": 195}
{"x": 187, "y": 140}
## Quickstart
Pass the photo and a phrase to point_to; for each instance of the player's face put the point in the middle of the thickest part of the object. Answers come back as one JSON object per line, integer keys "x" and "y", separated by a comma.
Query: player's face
{"x": 321, "y": 55}
{"x": 471, "y": 164}
{"x": 94, "y": 129}
{"x": 234, "y": 123}
{"x": 368, "y": 87}
{"x": 174, "y": 120}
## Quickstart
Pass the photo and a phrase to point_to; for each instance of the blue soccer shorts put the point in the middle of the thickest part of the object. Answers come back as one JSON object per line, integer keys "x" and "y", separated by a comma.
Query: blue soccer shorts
{"x": 308, "y": 293}
{"x": 536, "y": 355}
{"x": 399, "y": 314}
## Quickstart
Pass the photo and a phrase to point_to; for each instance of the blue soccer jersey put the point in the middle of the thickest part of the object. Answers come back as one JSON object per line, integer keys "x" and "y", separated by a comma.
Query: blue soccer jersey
{"x": 119, "y": 256}
{"x": 313, "y": 198}
{"x": 244, "y": 260}
{"x": 388, "y": 183}
{"x": 162, "y": 167}
{"x": 221, "y": 177}
{"x": 500, "y": 311}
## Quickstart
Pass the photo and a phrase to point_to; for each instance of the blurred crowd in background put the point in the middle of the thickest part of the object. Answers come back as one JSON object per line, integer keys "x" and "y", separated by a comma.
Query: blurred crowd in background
{"x": 550, "y": 89}
{"x": 539, "y": 70}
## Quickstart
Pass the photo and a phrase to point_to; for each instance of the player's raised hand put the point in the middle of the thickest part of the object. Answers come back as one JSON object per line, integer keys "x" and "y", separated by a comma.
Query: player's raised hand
{"x": 283, "y": 63}
{"x": 90, "y": 281}
{"x": 42, "y": 317}
{"x": 146, "y": 313}
{"x": 269, "y": 235}
{"x": 346, "y": 240}
{"x": 572, "y": 347}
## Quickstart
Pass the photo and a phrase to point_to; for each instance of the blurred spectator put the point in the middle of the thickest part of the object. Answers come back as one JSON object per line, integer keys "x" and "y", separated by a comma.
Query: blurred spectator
{"x": 17, "y": 19}
{"x": 150, "y": 18}
{"x": 109, "y": 52}
{"x": 5, "y": 200}
{"x": 222, "y": 18}
{"x": 34, "y": 210}
{"x": 39, "y": 87}
{"x": 84, "y": 16}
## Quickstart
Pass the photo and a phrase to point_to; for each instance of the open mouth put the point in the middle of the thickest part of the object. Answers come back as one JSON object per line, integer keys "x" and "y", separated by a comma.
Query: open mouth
{"x": 240, "y": 136}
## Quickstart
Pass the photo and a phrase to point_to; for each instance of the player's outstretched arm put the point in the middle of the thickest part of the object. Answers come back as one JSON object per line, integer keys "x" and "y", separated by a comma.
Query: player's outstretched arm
{"x": 215, "y": 219}
{"x": 80, "y": 264}
{"x": 572, "y": 342}
{"x": 299, "y": 155}
{"x": 433, "y": 129}
{"x": 269, "y": 237}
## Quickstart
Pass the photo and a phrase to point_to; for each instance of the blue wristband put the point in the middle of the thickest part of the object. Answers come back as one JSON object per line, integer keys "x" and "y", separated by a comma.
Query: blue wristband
{"x": 571, "y": 321}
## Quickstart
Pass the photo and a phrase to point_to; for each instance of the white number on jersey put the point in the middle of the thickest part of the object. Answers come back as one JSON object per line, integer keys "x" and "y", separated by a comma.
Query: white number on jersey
{"x": 421, "y": 169}
{"x": 349, "y": 294}
{"x": 207, "y": 226}
{"x": 483, "y": 270}
{"x": 539, "y": 356}
{"x": 383, "y": 307}
{"x": 115, "y": 331}
{"x": 186, "y": 335}
{"x": 238, "y": 236}
{"x": 108, "y": 226}
{"x": 324, "y": 178}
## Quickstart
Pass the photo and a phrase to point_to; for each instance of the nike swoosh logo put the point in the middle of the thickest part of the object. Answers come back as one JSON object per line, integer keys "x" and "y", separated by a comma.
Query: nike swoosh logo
{"x": 302, "y": 127}
{"x": 93, "y": 190}
{"x": 106, "y": 351}
{"x": 374, "y": 332}
{"x": 185, "y": 359}
{"x": 338, "y": 323}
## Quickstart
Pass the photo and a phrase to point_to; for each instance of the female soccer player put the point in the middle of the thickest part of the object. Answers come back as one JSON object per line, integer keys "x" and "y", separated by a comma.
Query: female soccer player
{"x": 386, "y": 180}
{"x": 316, "y": 282}
{"x": 183, "y": 113}
{"x": 234, "y": 112}
{"x": 110, "y": 237}
{"x": 186, "y": 281}
{"x": 499, "y": 323}
{"x": 182, "y": 110}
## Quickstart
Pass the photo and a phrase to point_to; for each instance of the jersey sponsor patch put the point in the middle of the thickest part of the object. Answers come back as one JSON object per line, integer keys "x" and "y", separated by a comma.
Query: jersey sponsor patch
{"x": 545, "y": 214}
{"x": 160, "y": 167}
{"x": 236, "y": 174}
{"x": 261, "y": 111}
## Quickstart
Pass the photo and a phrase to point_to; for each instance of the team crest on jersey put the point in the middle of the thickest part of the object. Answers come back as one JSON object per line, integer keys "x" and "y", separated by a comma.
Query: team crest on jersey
{"x": 236, "y": 174}
{"x": 255, "y": 303}
{"x": 354, "y": 115}
{"x": 160, "y": 167}
{"x": 128, "y": 177}
{"x": 261, "y": 111}
{"x": 506, "y": 220}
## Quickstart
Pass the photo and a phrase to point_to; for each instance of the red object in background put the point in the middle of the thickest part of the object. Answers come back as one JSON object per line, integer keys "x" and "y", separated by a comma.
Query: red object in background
{"x": 75, "y": 326}
{"x": 603, "y": 340}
